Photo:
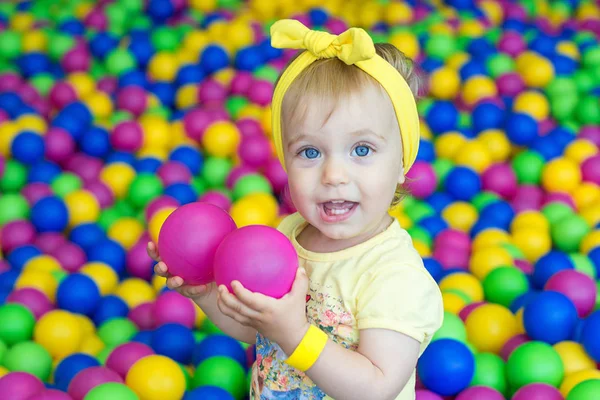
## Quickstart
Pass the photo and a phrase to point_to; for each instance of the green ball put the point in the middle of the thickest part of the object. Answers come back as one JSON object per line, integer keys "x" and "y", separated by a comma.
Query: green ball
{"x": 17, "y": 323}
{"x": 588, "y": 111}
{"x": 132, "y": 6}
{"x": 482, "y": 199}
{"x": 14, "y": 178}
{"x": 583, "y": 264}
{"x": 464, "y": 120}
{"x": 584, "y": 81}
{"x": 418, "y": 211}
{"x": 198, "y": 185}
{"x": 266, "y": 73}
{"x": 442, "y": 168}
{"x": 120, "y": 116}
{"x": 513, "y": 250}
{"x": 210, "y": 328}
{"x": 222, "y": 372}
{"x": 10, "y": 44}
{"x": 29, "y": 357}
{"x": 494, "y": 35}
{"x": 42, "y": 83}
{"x": 500, "y": 64}
{"x": 159, "y": 111}
{"x": 144, "y": 188}
{"x": 120, "y": 61}
{"x": 59, "y": 275}
{"x": 97, "y": 70}
{"x": 234, "y": 105}
{"x": 59, "y": 44}
{"x": 117, "y": 331}
{"x": 66, "y": 183}
{"x": 188, "y": 377}
{"x": 376, "y": 36}
{"x": 216, "y": 170}
{"x": 528, "y": 167}
{"x": 503, "y": 285}
{"x": 584, "y": 36}
{"x": 141, "y": 22}
{"x": 6, "y": 66}
{"x": 103, "y": 354}
{"x": 108, "y": 217}
{"x": 556, "y": 211}
{"x": 251, "y": 183}
{"x": 229, "y": 4}
{"x": 440, "y": 46}
{"x": 13, "y": 206}
{"x": 561, "y": 86}
{"x": 199, "y": 336}
{"x": 165, "y": 39}
{"x": 563, "y": 107}
{"x": 3, "y": 348}
{"x": 117, "y": 16}
{"x": 420, "y": 234}
{"x": 568, "y": 233}
{"x": 452, "y": 328}
{"x": 125, "y": 208}
{"x": 591, "y": 57}
{"x": 534, "y": 362}
{"x": 490, "y": 372}
{"x": 424, "y": 105}
{"x": 8, "y": 9}
{"x": 111, "y": 390}
{"x": 586, "y": 390}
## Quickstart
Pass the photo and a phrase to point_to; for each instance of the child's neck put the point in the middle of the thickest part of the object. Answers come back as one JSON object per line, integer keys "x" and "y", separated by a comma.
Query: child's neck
{"x": 313, "y": 240}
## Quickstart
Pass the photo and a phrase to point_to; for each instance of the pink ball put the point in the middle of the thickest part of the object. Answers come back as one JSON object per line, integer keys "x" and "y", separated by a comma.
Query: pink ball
{"x": 454, "y": 239}
{"x": 501, "y": 179}
{"x": 4, "y": 116}
{"x": 524, "y": 266}
{"x": 590, "y": 169}
{"x": 101, "y": 192}
{"x": 189, "y": 239}
{"x": 286, "y": 199}
{"x": 260, "y": 257}
{"x": 29, "y": 94}
{"x": 195, "y": 123}
{"x": 512, "y": 43}
{"x": 174, "y": 172}
{"x": 240, "y": 83}
{"x": 33, "y": 299}
{"x": 17, "y": 233}
{"x": 133, "y": 99}
{"x": 59, "y": 144}
{"x": 559, "y": 197}
{"x": 480, "y": 393}
{"x": 527, "y": 197}
{"x": 275, "y": 173}
{"x": 467, "y": 310}
{"x": 255, "y": 150}
{"x": 173, "y": 307}
{"x": 47, "y": 242}
{"x": 77, "y": 59}
{"x": 142, "y": 316}
{"x": 51, "y": 394}
{"x": 216, "y": 198}
{"x": 335, "y": 26}
{"x": 212, "y": 91}
{"x": 260, "y": 92}
{"x": 125, "y": 355}
{"x": 35, "y": 191}
{"x": 249, "y": 127}
{"x": 20, "y": 385}
{"x": 10, "y": 82}
{"x": 591, "y": 133}
{"x": 238, "y": 172}
{"x": 61, "y": 94}
{"x": 159, "y": 203}
{"x": 578, "y": 287}
{"x": 127, "y": 136}
{"x": 511, "y": 344}
{"x": 422, "y": 180}
{"x": 450, "y": 258}
{"x": 138, "y": 263}
{"x": 70, "y": 256}
{"x": 510, "y": 84}
{"x": 4, "y": 266}
{"x": 423, "y": 394}
{"x": 108, "y": 85}
{"x": 538, "y": 391}
{"x": 86, "y": 167}
{"x": 89, "y": 378}
{"x": 97, "y": 20}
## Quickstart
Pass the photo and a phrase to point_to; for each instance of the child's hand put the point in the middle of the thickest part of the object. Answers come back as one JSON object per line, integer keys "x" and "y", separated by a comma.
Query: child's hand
{"x": 280, "y": 320}
{"x": 195, "y": 292}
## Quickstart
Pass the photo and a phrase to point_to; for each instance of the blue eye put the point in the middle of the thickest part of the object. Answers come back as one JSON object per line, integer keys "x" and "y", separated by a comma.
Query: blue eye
{"x": 310, "y": 153}
{"x": 361, "y": 151}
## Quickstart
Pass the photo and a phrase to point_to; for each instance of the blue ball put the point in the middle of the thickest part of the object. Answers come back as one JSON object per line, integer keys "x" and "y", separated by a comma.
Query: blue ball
{"x": 442, "y": 116}
{"x": 563, "y": 65}
{"x": 43, "y": 171}
{"x": 430, "y": 64}
{"x": 594, "y": 256}
{"x": 481, "y": 49}
{"x": 81, "y": 112}
{"x": 70, "y": 123}
{"x": 472, "y": 68}
{"x": 521, "y": 129}
{"x": 143, "y": 337}
{"x": 543, "y": 44}
{"x": 189, "y": 74}
{"x": 32, "y": 64}
{"x": 87, "y": 235}
{"x": 160, "y": 10}
{"x": 108, "y": 308}
{"x": 133, "y": 78}
{"x": 174, "y": 341}
{"x": 110, "y": 253}
{"x": 590, "y": 335}
{"x": 548, "y": 265}
{"x": 20, "y": 255}
{"x": 446, "y": 367}
{"x": 318, "y": 16}
{"x": 499, "y": 212}
{"x": 72, "y": 27}
{"x": 208, "y": 393}
{"x": 434, "y": 268}
{"x": 523, "y": 300}
{"x": 28, "y": 148}
{"x": 462, "y": 183}
{"x": 562, "y": 136}
{"x": 95, "y": 142}
{"x": 8, "y": 279}
{"x": 11, "y": 103}
{"x": 433, "y": 224}
{"x": 69, "y": 366}
{"x": 547, "y": 147}
{"x": 182, "y": 192}
{"x": 439, "y": 201}
{"x": 550, "y": 317}
{"x": 122, "y": 157}
{"x": 487, "y": 115}
{"x": 219, "y": 345}
{"x": 149, "y": 165}
{"x": 189, "y": 156}
{"x": 213, "y": 58}
{"x": 249, "y": 58}
{"x": 49, "y": 214}
{"x": 269, "y": 52}
{"x": 165, "y": 92}
{"x": 426, "y": 151}
{"x": 79, "y": 294}
{"x": 103, "y": 44}
{"x": 4, "y": 295}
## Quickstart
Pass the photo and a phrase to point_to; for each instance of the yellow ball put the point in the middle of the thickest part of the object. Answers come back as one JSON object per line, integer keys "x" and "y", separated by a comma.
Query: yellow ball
{"x": 87, "y": 326}
{"x": 422, "y": 248}
{"x": 104, "y": 276}
{"x": 21, "y": 21}
{"x": 157, "y": 131}
{"x": 40, "y": 280}
{"x": 492, "y": 10}
{"x": 83, "y": 83}
{"x": 569, "y": 49}
{"x": 185, "y": 57}
{"x": 43, "y": 263}
{"x": 8, "y": 131}
{"x": 83, "y": 207}
{"x": 59, "y": 332}
{"x": 254, "y": 209}
{"x": 224, "y": 76}
{"x": 591, "y": 214}
{"x": 465, "y": 283}
{"x": 157, "y": 221}
{"x": 471, "y": 29}
{"x": 195, "y": 41}
{"x": 474, "y": 155}
{"x": 457, "y": 60}
{"x": 32, "y": 123}
{"x": 156, "y": 377}
{"x": 448, "y": 144}
{"x": 126, "y": 231}
{"x": 187, "y": 96}
{"x": 453, "y": 303}
{"x": 486, "y": 260}
{"x": 532, "y": 103}
{"x": 163, "y": 67}
{"x": 580, "y": 150}
{"x": 536, "y": 71}
{"x": 200, "y": 316}
{"x": 118, "y": 177}
{"x": 3, "y": 371}
{"x": 520, "y": 324}
{"x": 590, "y": 241}
{"x": 444, "y": 83}
{"x": 561, "y": 175}
{"x": 585, "y": 195}
{"x": 534, "y": 243}
{"x": 460, "y": 215}
{"x": 530, "y": 219}
{"x": 92, "y": 345}
{"x": 370, "y": 13}
{"x": 158, "y": 283}
{"x": 489, "y": 326}
{"x": 160, "y": 153}
{"x": 576, "y": 378}
{"x": 491, "y": 237}
{"x": 34, "y": 41}
{"x": 253, "y": 111}
{"x": 477, "y": 88}
{"x": 574, "y": 357}
{"x": 398, "y": 13}
{"x": 221, "y": 139}
{"x": 239, "y": 34}
{"x": 203, "y": 5}
{"x": 100, "y": 105}
{"x": 407, "y": 43}
{"x": 135, "y": 291}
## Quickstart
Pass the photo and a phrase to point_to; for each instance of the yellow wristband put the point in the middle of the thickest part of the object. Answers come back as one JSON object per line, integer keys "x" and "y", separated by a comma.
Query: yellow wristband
{"x": 309, "y": 349}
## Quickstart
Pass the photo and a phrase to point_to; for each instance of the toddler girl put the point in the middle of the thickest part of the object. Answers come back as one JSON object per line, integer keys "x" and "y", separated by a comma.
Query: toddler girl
{"x": 362, "y": 308}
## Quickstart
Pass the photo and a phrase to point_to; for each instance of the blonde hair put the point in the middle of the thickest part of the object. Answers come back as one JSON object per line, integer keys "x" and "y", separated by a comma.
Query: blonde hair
{"x": 330, "y": 80}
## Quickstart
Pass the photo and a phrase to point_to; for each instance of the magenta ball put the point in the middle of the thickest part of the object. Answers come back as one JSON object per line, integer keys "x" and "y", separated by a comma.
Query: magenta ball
{"x": 501, "y": 179}
{"x": 451, "y": 258}
{"x": 212, "y": 91}
{"x": 524, "y": 266}
{"x": 10, "y": 82}
{"x": 189, "y": 238}
{"x": 512, "y": 43}
{"x": 249, "y": 127}
{"x": 29, "y": 94}
{"x": 127, "y": 136}
{"x": 59, "y": 144}
{"x": 590, "y": 169}
{"x": 255, "y": 150}
{"x": 138, "y": 263}
{"x": 238, "y": 172}
{"x": 468, "y": 309}
{"x": 216, "y": 198}
{"x": 143, "y": 316}
{"x": 89, "y": 378}
{"x": 538, "y": 391}
{"x": 20, "y": 385}
{"x": 108, "y": 85}
{"x": 527, "y": 197}
{"x": 70, "y": 256}
{"x": 261, "y": 258}
{"x": 50, "y": 394}
{"x": 591, "y": 133}
{"x": 174, "y": 172}
{"x": 101, "y": 192}
{"x": 86, "y": 167}
{"x": 423, "y": 394}
{"x": 47, "y": 242}
{"x": 77, "y": 59}
{"x": 173, "y": 307}
{"x": 335, "y": 26}
{"x": 240, "y": 83}
{"x": 510, "y": 84}
{"x": 125, "y": 355}
{"x": 61, "y": 94}
{"x": 578, "y": 287}
{"x": 286, "y": 199}
{"x": 559, "y": 197}
{"x": 17, "y": 233}
{"x": 195, "y": 123}
{"x": 36, "y": 301}
{"x": 159, "y": 203}
{"x": 36, "y": 191}
{"x": 275, "y": 173}
{"x": 260, "y": 92}
{"x": 480, "y": 393}
{"x": 512, "y": 343}
{"x": 132, "y": 99}
{"x": 4, "y": 116}
{"x": 421, "y": 179}
{"x": 454, "y": 239}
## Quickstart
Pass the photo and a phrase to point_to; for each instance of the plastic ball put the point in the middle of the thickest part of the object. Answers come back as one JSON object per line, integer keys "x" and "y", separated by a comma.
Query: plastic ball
{"x": 521, "y": 129}
{"x": 478, "y": 88}
{"x": 537, "y": 71}
{"x": 18, "y": 323}
{"x": 503, "y": 285}
{"x": 449, "y": 359}
{"x": 79, "y": 294}
{"x": 534, "y": 362}
{"x": 143, "y": 189}
{"x": 221, "y": 372}
{"x": 116, "y": 331}
{"x": 70, "y": 366}
{"x": 489, "y": 372}
{"x": 575, "y": 379}
{"x": 490, "y": 326}
{"x": 83, "y": 207}
{"x": 463, "y": 183}
{"x": 590, "y": 170}
{"x": 118, "y": 177}
{"x": 111, "y": 390}
{"x": 50, "y": 394}
{"x": 532, "y": 103}
{"x": 423, "y": 180}
{"x": 574, "y": 357}
{"x": 444, "y": 83}
{"x": 174, "y": 341}
{"x": 135, "y": 291}
{"x": 586, "y": 390}
{"x": 591, "y": 327}
{"x": 208, "y": 393}
{"x": 537, "y": 391}
{"x": 561, "y": 174}
{"x": 578, "y": 287}
{"x": 127, "y": 136}
{"x": 485, "y": 260}
{"x": 89, "y": 378}
{"x": 59, "y": 332}
{"x": 124, "y": 356}
{"x": 171, "y": 307}
{"x": 28, "y": 148}
{"x": 20, "y": 385}
{"x": 33, "y": 299}
{"x": 221, "y": 139}
{"x": 550, "y": 317}
{"x": 480, "y": 392}
{"x": 569, "y": 232}
{"x": 156, "y": 377}
{"x": 219, "y": 345}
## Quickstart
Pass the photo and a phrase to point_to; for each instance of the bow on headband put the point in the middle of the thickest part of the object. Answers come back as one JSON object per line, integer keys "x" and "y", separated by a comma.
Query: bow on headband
{"x": 353, "y": 47}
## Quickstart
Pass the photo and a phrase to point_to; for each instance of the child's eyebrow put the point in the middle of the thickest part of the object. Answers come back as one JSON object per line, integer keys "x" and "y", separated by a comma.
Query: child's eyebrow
{"x": 368, "y": 132}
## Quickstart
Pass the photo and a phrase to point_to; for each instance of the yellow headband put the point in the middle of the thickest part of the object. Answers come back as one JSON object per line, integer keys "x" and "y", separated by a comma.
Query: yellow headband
{"x": 353, "y": 47}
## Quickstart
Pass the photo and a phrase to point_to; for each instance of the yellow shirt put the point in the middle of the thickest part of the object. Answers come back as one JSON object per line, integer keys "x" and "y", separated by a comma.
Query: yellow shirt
{"x": 380, "y": 283}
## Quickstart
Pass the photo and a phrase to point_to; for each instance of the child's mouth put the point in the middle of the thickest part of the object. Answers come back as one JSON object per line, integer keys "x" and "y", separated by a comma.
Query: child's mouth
{"x": 337, "y": 210}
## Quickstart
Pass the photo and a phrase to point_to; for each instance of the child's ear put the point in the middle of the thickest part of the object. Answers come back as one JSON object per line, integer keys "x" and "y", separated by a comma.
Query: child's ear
{"x": 401, "y": 177}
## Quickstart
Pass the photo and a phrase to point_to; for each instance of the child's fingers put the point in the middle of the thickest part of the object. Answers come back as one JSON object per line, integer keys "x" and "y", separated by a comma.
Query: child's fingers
{"x": 231, "y": 301}
{"x": 231, "y": 313}
{"x": 174, "y": 282}
{"x": 160, "y": 269}
{"x": 153, "y": 251}
{"x": 192, "y": 291}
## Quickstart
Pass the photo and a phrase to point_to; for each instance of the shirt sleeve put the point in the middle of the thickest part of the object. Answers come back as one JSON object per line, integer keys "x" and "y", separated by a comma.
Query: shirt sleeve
{"x": 401, "y": 298}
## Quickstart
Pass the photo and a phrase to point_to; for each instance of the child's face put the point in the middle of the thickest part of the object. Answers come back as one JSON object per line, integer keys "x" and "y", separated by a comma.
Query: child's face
{"x": 343, "y": 167}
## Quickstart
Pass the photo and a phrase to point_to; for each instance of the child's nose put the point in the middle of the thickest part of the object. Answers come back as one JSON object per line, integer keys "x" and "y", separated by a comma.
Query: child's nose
{"x": 334, "y": 173}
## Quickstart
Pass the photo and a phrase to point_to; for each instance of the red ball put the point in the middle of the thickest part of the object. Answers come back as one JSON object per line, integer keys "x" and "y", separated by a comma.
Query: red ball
{"x": 255, "y": 150}
{"x": 61, "y": 94}
{"x": 174, "y": 172}
{"x": 20, "y": 385}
